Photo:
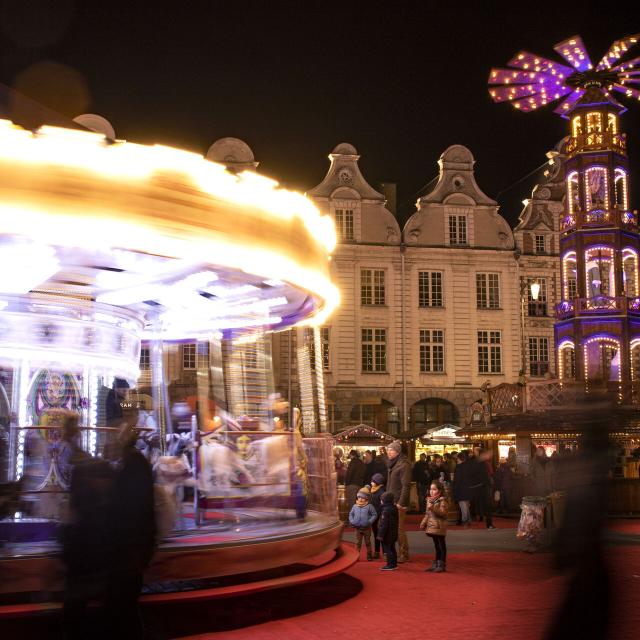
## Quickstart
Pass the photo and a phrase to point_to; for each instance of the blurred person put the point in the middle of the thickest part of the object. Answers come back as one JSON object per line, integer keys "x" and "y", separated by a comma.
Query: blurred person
{"x": 434, "y": 525}
{"x": 354, "y": 477}
{"x": 579, "y": 547}
{"x": 85, "y": 538}
{"x": 113, "y": 404}
{"x": 461, "y": 491}
{"x": 388, "y": 530}
{"x": 399, "y": 484}
{"x": 450, "y": 461}
{"x": 340, "y": 467}
{"x": 438, "y": 469}
{"x": 132, "y": 531}
{"x": 503, "y": 482}
{"x": 543, "y": 471}
{"x": 382, "y": 454}
{"x": 422, "y": 477}
{"x": 375, "y": 465}
{"x": 361, "y": 517}
{"x": 480, "y": 485}
{"x": 377, "y": 489}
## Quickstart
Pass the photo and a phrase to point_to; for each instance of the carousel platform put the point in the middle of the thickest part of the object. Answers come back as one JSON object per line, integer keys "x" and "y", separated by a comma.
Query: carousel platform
{"x": 238, "y": 551}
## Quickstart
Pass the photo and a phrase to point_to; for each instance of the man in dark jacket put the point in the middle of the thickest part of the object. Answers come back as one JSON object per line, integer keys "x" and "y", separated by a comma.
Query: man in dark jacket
{"x": 480, "y": 486}
{"x": 422, "y": 478}
{"x": 373, "y": 464}
{"x": 354, "y": 478}
{"x": 132, "y": 535}
{"x": 388, "y": 530}
{"x": 399, "y": 484}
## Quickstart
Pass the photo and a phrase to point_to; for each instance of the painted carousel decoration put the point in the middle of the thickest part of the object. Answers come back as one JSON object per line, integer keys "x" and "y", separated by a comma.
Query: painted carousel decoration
{"x": 597, "y": 330}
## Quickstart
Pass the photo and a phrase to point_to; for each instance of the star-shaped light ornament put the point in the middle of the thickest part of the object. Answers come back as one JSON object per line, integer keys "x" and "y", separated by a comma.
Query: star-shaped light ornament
{"x": 531, "y": 81}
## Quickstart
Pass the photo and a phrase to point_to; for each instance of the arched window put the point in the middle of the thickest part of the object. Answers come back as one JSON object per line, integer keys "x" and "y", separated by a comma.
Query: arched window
{"x": 573, "y": 193}
{"x": 630, "y": 272}
{"x": 599, "y": 272}
{"x": 576, "y": 126}
{"x": 620, "y": 189}
{"x": 432, "y": 412}
{"x": 383, "y": 415}
{"x": 594, "y": 122}
{"x": 602, "y": 360}
{"x": 596, "y": 188}
{"x": 612, "y": 123}
{"x": 566, "y": 361}
{"x": 569, "y": 276}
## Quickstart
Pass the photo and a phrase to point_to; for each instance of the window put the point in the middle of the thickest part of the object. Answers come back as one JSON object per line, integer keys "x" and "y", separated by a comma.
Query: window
{"x": 374, "y": 349}
{"x": 488, "y": 290}
{"x": 145, "y": 359}
{"x": 431, "y": 350}
{"x": 594, "y": 122}
{"x": 596, "y": 187}
{"x": 489, "y": 352}
{"x": 573, "y": 192}
{"x": 189, "y": 356}
{"x": 344, "y": 224}
{"x": 620, "y": 189}
{"x": 538, "y": 356}
{"x": 540, "y": 244}
{"x": 324, "y": 348}
{"x": 457, "y": 229}
{"x": 537, "y": 308}
{"x": 576, "y": 126}
{"x": 372, "y": 286}
{"x": 429, "y": 289}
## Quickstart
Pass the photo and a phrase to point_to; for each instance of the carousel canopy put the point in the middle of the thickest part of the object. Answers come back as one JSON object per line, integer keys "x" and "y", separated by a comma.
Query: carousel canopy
{"x": 364, "y": 434}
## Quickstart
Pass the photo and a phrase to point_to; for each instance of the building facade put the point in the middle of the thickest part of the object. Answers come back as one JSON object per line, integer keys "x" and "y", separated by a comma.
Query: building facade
{"x": 428, "y": 314}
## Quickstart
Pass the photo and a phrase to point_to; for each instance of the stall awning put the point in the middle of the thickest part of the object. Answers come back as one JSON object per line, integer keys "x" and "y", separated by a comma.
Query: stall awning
{"x": 443, "y": 434}
{"x": 363, "y": 434}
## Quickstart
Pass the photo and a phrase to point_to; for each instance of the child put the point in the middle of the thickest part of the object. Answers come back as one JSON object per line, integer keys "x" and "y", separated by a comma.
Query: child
{"x": 361, "y": 517}
{"x": 388, "y": 530}
{"x": 435, "y": 525}
{"x": 377, "y": 489}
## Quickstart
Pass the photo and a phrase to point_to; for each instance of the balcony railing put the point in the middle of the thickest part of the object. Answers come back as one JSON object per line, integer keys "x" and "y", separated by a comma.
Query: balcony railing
{"x": 596, "y": 140}
{"x": 600, "y": 305}
{"x": 613, "y": 217}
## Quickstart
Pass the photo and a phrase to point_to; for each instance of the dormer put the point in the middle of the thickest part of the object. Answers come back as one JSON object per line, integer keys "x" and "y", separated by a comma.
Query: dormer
{"x": 457, "y": 213}
{"x": 357, "y": 208}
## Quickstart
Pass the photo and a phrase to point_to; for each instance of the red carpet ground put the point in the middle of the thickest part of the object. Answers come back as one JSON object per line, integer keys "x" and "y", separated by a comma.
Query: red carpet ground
{"x": 483, "y": 596}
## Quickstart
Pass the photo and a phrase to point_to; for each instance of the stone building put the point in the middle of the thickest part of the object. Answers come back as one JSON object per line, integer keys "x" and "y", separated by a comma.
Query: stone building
{"x": 428, "y": 315}
{"x": 537, "y": 242}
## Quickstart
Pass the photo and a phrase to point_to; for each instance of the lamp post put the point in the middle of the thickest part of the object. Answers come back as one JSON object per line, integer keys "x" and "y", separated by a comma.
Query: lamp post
{"x": 525, "y": 288}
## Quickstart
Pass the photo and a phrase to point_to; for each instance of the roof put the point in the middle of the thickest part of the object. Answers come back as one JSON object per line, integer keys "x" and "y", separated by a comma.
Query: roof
{"x": 363, "y": 433}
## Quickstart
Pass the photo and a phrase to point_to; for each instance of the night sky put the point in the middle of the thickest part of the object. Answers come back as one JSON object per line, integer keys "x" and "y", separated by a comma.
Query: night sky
{"x": 401, "y": 81}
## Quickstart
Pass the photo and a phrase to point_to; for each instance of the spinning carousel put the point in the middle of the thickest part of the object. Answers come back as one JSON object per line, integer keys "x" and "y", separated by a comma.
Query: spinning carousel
{"x": 119, "y": 261}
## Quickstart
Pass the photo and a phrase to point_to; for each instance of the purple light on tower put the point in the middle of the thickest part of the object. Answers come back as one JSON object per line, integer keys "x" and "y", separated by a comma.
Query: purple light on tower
{"x": 532, "y": 81}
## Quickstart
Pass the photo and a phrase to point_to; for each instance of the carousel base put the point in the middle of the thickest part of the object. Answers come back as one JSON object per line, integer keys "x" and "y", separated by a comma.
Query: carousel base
{"x": 189, "y": 562}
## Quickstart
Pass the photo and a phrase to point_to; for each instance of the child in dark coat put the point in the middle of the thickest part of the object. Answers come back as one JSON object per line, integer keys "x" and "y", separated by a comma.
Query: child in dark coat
{"x": 388, "y": 530}
{"x": 377, "y": 489}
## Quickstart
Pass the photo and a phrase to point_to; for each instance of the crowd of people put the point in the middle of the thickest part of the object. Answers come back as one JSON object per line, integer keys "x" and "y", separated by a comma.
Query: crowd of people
{"x": 378, "y": 487}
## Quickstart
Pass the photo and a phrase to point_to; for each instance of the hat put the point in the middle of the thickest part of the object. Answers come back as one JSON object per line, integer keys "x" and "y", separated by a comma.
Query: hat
{"x": 364, "y": 493}
{"x": 378, "y": 478}
{"x": 396, "y": 446}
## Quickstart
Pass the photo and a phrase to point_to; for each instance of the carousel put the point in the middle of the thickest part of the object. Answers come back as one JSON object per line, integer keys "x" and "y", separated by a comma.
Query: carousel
{"x": 119, "y": 260}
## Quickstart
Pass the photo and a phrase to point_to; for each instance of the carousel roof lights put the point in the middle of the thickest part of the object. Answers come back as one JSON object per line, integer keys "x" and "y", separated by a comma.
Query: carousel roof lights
{"x": 156, "y": 216}
{"x": 26, "y": 266}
